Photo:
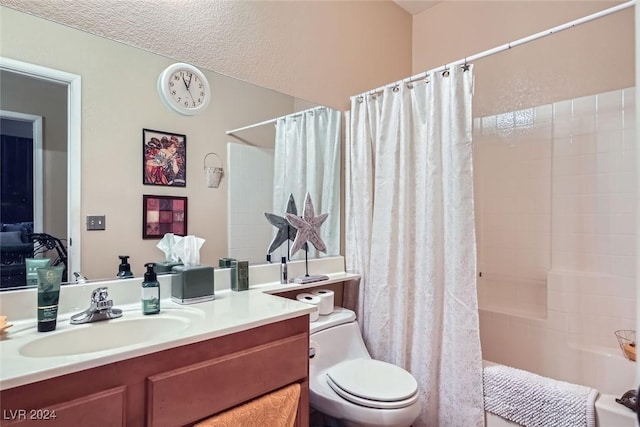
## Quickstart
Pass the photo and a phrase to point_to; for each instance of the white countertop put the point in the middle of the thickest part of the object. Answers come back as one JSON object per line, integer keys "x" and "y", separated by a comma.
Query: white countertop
{"x": 229, "y": 313}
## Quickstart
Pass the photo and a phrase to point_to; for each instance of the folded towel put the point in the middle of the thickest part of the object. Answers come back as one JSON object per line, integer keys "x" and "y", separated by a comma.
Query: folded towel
{"x": 277, "y": 409}
{"x": 535, "y": 401}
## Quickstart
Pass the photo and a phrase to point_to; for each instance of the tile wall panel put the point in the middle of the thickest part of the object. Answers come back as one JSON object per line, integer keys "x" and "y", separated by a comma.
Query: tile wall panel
{"x": 555, "y": 217}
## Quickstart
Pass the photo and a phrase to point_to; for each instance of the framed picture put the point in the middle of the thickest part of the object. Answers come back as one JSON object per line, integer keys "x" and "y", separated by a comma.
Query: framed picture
{"x": 164, "y": 158}
{"x": 163, "y": 214}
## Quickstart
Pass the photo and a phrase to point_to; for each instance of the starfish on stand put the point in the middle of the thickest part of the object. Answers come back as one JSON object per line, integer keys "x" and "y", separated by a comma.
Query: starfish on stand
{"x": 308, "y": 227}
{"x": 285, "y": 230}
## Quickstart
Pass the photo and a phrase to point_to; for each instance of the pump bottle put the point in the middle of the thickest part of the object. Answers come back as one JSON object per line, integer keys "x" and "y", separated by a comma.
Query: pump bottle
{"x": 124, "y": 269}
{"x": 150, "y": 291}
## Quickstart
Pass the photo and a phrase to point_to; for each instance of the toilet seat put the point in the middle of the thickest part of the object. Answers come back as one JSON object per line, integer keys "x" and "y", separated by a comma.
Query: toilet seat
{"x": 373, "y": 383}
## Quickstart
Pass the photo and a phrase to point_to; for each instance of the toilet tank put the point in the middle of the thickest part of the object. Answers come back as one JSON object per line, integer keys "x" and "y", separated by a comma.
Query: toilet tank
{"x": 335, "y": 339}
{"x": 339, "y": 316}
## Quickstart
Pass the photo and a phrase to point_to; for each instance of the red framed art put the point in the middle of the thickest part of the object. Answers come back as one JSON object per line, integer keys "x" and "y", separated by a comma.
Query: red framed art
{"x": 164, "y": 157}
{"x": 163, "y": 214}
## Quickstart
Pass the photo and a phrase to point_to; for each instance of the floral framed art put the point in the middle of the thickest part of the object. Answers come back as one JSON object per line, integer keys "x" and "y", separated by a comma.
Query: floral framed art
{"x": 163, "y": 214}
{"x": 164, "y": 157}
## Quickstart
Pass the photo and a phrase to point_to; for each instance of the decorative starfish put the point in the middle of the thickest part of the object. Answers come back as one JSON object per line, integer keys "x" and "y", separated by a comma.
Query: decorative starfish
{"x": 285, "y": 230}
{"x": 308, "y": 227}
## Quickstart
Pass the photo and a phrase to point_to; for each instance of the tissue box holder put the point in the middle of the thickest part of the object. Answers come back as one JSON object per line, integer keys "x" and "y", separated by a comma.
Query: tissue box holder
{"x": 190, "y": 285}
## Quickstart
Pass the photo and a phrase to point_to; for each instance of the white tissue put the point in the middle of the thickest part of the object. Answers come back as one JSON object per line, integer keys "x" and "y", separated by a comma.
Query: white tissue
{"x": 311, "y": 300}
{"x": 167, "y": 245}
{"x": 188, "y": 250}
{"x": 326, "y": 301}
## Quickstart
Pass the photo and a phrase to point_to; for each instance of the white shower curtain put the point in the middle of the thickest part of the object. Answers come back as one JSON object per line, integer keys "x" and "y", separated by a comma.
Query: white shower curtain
{"x": 307, "y": 159}
{"x": 410, "y": 233}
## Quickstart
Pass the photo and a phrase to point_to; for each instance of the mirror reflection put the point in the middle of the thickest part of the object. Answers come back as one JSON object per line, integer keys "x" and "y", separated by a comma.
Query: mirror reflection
{"x": 119, "y": 100}
{"x": 34, "y": 145}
{"x": 305, "y": 158}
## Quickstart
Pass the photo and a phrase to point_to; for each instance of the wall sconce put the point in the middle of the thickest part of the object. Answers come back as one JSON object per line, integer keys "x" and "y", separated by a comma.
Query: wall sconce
{"x": 213, "y": 173}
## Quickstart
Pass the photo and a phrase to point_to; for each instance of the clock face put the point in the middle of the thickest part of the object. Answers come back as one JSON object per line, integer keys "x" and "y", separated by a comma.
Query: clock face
{"x": 184, "y": 89}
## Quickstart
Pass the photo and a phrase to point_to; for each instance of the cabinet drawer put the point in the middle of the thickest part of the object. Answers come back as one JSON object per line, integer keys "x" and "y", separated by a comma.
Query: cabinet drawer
{"x": 103, "y": 409}
{"x": 188, "y": 394}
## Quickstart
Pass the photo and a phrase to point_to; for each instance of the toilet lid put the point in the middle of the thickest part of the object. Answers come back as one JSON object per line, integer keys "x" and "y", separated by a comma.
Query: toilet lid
{"x": 373, "y": 383}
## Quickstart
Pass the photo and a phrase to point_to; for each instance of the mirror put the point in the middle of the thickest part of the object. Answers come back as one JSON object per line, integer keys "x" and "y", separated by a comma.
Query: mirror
{"x": 119, "y": 100}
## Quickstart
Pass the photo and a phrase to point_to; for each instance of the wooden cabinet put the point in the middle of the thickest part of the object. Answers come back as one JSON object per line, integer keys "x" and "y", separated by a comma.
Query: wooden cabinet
{"x": 174, "y": 387}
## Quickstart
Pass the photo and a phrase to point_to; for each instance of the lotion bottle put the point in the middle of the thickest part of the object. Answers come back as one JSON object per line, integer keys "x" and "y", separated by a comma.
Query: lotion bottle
{"x": 150, "y": 291}
{"x": 284, "y": 279}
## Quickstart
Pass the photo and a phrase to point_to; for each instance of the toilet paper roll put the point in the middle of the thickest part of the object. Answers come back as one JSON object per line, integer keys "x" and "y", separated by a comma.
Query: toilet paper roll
{"x": 311, "y": 300}
{"x": 326, "y": 300}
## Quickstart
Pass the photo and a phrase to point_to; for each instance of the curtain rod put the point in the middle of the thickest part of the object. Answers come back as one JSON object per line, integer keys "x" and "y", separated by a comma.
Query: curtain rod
{"x": 267, "y": 122}
{"x": 508, "y": 46}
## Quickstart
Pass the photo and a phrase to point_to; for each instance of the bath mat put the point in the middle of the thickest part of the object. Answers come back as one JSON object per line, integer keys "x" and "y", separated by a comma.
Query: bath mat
{"x": 532, "y": 400}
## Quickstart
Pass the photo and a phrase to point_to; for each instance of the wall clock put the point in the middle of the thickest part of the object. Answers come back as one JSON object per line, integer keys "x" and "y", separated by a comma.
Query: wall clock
{"x": 184, "y": 89}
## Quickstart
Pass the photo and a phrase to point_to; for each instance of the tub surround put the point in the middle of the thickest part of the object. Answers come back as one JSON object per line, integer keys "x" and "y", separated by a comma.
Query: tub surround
{"x": 555, "y": 212}
{"x": 231, "y": 312}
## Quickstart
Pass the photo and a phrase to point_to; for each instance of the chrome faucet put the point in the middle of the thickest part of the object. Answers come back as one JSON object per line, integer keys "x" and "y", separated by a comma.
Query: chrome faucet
{"x": 101, "y": 308}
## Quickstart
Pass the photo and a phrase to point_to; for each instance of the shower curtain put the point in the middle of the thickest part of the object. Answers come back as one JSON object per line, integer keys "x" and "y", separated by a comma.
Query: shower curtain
{"x": 410, "y": 233}
{"x": 307, "y": 159}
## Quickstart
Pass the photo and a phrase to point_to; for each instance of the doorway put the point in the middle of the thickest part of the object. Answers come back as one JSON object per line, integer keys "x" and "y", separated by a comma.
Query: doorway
{"x": 21, "y": 175}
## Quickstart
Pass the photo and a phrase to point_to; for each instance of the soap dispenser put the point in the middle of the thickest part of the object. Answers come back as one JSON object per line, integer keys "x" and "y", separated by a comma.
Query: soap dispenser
{"x": 150, "y": 291}
{"x": 124, "y": 269}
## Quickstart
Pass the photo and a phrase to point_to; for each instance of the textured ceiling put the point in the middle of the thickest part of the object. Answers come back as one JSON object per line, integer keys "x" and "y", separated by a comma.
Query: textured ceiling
{"x": 255, "y": 41}
{"x": 195, "y": 31}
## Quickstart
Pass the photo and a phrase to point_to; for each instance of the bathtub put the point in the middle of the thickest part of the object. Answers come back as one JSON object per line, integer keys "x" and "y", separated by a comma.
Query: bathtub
{"x": 563, "y": 328}
{"x": 609, "y": 413}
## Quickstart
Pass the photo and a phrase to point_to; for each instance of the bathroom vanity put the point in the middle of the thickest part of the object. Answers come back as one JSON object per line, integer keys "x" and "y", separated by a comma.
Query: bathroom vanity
{"x": 175, "y": 368}
{"x": 173, "y": 387}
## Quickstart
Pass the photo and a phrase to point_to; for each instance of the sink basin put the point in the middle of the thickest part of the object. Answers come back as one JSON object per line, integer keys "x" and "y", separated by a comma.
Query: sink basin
{"x": 105, "y": 335}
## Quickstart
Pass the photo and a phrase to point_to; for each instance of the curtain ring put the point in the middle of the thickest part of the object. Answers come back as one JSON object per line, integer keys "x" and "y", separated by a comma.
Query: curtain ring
{"x": 396, "y": 88}
{"x": 445, "y": 72}
{"x": 465, "y": 66}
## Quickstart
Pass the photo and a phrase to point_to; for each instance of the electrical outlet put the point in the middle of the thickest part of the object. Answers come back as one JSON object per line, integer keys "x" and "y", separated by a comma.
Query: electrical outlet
{"x": 96, "y": 222}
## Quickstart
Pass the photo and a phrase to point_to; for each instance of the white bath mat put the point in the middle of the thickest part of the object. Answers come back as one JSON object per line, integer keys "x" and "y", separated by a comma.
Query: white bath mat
{"x": 532, "y": 400}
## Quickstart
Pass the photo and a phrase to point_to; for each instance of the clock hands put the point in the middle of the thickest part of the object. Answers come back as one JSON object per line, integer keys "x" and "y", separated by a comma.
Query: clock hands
{"x": 187, "y": 84}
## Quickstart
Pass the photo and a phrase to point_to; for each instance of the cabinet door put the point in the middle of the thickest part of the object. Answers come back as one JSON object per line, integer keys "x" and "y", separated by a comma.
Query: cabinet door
{"x": 103, "y": 409}
{"x": 188, "y": 394}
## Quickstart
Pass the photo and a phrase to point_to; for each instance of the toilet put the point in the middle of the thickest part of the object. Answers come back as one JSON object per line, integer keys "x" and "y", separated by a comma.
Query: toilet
{"x": 348, "y": 385}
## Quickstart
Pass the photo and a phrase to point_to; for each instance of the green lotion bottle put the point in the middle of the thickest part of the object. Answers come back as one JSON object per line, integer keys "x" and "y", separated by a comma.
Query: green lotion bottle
{"x": 150, "y": 291}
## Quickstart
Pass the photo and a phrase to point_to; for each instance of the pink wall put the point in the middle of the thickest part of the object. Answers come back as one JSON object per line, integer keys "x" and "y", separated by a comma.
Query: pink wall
{"x": 593, "y": 58}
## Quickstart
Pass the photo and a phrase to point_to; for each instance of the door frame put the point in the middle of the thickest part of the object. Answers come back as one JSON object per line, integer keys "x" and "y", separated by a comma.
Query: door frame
{"x": 74, "y": 133}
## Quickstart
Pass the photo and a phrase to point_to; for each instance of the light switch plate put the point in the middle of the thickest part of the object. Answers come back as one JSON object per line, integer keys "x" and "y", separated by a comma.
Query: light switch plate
{"x": 96, "y": 222}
